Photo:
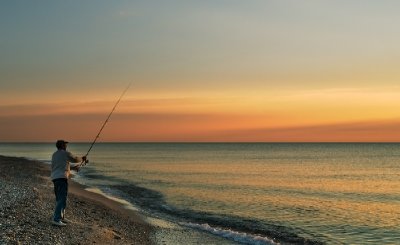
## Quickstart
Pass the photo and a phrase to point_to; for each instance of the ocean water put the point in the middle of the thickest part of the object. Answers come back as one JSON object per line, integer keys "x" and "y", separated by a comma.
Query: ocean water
{"x": 253, "y": 193}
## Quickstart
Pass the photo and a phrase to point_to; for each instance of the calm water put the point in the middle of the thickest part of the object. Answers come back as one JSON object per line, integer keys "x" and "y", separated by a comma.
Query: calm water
{"x": 320, "y": 193}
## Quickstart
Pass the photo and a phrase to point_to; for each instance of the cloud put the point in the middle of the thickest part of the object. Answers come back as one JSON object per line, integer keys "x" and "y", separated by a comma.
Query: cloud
{"x": 187, "y": 127}
{"x": 121, "y": 127}
{"x": 366, "y": 131}
{"x": 150, "y": 105}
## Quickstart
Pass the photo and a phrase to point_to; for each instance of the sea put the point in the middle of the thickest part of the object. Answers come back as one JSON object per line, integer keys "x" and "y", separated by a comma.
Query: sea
{"x": 250, "y": 193}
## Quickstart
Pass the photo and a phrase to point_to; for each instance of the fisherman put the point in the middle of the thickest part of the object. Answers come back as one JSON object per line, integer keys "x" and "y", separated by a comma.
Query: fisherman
{"x": 60, "y": 172}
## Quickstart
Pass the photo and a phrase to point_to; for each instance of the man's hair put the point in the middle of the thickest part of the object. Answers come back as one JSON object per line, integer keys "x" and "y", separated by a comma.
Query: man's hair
{"x": 61, "y": 143}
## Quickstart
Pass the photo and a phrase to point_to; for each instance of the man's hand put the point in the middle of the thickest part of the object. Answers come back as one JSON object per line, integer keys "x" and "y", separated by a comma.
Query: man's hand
{"x": 84, "y": 159}
{"x": 76, "y": 167}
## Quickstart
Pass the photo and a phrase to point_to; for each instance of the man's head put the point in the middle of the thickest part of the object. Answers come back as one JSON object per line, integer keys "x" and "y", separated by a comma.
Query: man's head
{"x": 61, "y": 144}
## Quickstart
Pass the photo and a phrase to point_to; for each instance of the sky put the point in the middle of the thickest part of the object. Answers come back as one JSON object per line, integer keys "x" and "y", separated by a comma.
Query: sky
{"x": 201, "y": 71}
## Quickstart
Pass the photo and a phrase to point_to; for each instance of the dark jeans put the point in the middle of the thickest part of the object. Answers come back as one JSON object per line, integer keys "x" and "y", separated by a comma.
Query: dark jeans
{"x": 61, "y": 191}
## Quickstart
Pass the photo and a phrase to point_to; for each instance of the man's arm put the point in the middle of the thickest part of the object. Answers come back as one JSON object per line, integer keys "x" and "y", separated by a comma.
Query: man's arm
{"x": 76, "y": 159}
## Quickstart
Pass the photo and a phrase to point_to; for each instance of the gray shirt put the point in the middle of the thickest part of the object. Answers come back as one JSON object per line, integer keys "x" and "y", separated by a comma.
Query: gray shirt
{"x": 60, "y": 164}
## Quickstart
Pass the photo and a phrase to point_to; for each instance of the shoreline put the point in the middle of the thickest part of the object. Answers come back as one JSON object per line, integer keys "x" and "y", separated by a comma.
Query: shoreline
{"x": 27, "y": 205}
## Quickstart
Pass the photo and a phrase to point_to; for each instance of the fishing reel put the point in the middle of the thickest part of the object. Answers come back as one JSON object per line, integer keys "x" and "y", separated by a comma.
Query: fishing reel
{"x": 84, "y": 161}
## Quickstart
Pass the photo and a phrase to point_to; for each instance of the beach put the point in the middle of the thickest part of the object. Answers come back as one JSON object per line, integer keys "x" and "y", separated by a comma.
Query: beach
{"x": 27, "y": 204}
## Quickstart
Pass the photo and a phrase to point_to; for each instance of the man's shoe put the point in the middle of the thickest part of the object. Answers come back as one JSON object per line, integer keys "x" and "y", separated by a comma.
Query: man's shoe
{"x": 66, "y": 221}
{"x": 58, "y": 223}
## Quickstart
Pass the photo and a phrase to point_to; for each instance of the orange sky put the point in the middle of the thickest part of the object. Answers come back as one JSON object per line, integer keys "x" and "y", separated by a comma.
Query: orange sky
{"x": 334, "y": 115}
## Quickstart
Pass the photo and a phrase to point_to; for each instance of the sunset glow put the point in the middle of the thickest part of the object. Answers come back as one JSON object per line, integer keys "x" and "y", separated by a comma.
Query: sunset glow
{"x": 260, "y": 71}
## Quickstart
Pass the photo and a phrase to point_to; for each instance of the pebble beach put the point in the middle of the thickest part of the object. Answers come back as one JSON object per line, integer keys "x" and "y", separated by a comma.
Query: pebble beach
{"x": 27, "y": 203}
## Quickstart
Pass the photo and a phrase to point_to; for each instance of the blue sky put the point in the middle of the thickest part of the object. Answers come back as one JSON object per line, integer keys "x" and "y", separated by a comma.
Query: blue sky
{"x": 173, "y": 44}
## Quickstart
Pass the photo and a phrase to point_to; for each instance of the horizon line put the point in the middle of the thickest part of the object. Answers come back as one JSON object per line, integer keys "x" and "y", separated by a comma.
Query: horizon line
{"x": 207, "y": 142}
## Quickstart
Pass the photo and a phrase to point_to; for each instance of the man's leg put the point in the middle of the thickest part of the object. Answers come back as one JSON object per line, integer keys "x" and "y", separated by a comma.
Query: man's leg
{"x": 60, "y": 190}
{"x": 64, "y": 201}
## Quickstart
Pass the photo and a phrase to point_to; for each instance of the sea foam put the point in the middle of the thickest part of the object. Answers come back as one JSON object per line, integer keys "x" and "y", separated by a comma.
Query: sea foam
{"x": 233, "y": 235}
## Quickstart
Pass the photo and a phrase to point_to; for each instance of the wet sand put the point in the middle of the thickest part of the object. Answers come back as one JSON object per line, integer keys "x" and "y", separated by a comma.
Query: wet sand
{"x": 27, "y": 204}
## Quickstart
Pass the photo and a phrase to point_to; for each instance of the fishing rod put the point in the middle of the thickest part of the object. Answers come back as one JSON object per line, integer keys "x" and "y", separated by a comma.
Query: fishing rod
{"x": 104, "y": 124}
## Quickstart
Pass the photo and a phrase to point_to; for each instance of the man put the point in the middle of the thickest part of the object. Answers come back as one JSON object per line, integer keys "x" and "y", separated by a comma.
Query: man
{"x": 60, "y": 172}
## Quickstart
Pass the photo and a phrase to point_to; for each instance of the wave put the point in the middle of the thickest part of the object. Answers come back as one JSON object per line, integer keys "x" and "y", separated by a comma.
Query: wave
{"x": 125, "y": 203}
{"x": 240, "y": 237}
